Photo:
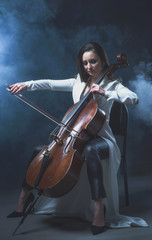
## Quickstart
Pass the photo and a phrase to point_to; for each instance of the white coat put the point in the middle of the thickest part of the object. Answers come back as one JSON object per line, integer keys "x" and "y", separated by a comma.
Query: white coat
{"x": 78, "y": 202}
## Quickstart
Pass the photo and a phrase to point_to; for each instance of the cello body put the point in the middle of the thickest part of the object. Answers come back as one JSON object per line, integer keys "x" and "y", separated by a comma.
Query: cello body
{"x": 65, "y": 154}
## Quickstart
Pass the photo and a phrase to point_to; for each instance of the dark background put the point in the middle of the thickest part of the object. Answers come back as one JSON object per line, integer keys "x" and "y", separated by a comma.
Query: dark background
{"x": 40, "y": 39}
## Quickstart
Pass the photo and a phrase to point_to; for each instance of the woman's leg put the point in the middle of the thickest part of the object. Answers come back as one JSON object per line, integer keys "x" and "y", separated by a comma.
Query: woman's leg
{"x": 96, "y": 150}
{"x": 22, "y": 199}
{"x": 26, "y": 189}
{"x": 98, "y": 218}
{"x": 25, "y": 196}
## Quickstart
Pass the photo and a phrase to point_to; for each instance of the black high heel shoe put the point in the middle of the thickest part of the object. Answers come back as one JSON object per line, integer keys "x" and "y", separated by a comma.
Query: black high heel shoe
{"x": 20, "y": 214}
{"x": 98, "y": 229}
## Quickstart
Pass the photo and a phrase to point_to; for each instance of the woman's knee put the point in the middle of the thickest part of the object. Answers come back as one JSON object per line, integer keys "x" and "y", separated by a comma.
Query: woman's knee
{"x": 36, "y": 151}
{"x": 88, "y": 149}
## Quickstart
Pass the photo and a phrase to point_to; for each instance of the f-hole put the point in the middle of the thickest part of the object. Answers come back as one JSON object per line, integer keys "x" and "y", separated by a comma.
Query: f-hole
{"x": 68, "y": 143}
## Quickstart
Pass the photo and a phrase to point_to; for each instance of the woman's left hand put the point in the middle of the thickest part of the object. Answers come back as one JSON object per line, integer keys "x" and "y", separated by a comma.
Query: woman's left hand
{"x": 95, "y": 88}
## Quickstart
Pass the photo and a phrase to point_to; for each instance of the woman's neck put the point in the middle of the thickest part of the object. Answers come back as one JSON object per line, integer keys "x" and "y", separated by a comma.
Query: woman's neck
{"x": 92, "y": 80}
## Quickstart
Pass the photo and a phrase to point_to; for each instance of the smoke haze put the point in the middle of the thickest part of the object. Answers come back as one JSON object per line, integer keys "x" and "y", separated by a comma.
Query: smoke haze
{"x": 143, "y": 87}
{"x": 40, "y": 39}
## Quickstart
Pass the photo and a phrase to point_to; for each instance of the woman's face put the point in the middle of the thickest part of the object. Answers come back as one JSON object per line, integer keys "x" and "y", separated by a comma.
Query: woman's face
{"x": 92, "y": 64}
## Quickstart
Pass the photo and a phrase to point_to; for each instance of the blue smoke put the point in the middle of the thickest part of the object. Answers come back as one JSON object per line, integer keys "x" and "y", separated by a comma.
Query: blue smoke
{"x": 40, "y": 39}
{"x": 143, "y": 87}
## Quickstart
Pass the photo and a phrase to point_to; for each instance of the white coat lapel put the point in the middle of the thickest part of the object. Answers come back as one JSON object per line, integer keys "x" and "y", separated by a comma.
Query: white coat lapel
{"x": 77, "y": 89}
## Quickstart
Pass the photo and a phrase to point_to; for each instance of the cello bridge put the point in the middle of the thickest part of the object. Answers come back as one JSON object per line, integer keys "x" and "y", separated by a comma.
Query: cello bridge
{"x": 57, "y": 139}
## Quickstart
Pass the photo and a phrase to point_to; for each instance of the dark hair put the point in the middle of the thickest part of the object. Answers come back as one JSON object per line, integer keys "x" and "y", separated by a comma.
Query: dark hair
{"x": 95, "y": 47}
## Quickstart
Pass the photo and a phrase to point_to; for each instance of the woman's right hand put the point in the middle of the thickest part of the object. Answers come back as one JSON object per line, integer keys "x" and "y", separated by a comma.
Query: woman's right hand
{"x": 17, "y": 87}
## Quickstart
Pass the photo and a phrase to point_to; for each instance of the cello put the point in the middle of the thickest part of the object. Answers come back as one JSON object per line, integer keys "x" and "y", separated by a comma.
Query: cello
{"x": 55, "y": 170}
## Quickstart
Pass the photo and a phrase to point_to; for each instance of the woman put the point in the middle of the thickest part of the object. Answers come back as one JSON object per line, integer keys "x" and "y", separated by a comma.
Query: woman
{"x": 102, "y": 154}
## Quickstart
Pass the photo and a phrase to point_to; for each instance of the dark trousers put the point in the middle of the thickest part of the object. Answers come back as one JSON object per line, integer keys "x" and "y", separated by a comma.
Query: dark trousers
{"x": 96, "y": 150}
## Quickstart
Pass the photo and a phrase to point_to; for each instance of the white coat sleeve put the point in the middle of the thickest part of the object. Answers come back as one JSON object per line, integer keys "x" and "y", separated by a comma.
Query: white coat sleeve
{"x": 122, "y": 94}
{"x": 48, "y": 84}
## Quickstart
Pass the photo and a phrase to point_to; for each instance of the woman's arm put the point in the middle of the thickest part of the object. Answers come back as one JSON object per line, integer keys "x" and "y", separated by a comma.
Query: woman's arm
{"x": 122, "y": 94}
{"x": 46, "y": 84}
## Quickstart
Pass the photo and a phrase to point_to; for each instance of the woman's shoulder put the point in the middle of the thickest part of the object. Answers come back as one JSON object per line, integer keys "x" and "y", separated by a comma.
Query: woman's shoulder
{"x": 112, "y": 81}
{"x": 117, "y": 79}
